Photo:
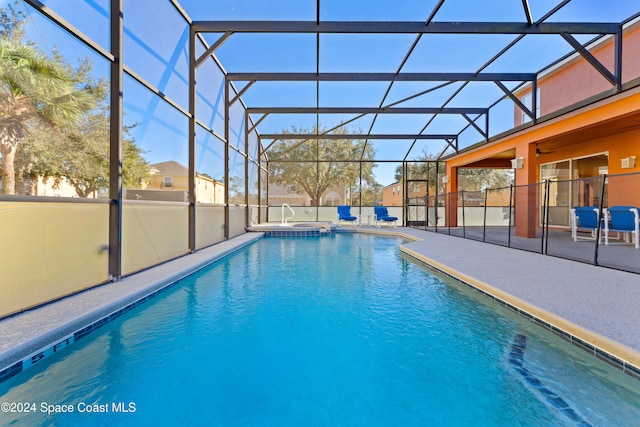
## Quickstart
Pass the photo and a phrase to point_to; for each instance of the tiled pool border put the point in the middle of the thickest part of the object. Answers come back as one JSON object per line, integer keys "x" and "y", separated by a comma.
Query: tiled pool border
{"x": 57, "y": 345}
{"x": 600, "y": 353}
{"x": 294, "y": 230}
{"x": 61, "y": 343}
{"x": 545, "y": 393}
{"x": 49, "y": 350}
{"x": 294, "y": 233}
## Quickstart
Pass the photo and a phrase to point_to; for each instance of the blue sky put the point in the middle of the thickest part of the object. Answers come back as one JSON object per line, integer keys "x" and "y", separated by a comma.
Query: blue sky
{"x": 155, "y": 49}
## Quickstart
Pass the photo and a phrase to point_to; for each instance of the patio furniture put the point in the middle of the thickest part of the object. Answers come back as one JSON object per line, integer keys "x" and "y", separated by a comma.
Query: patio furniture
{"x": 344, "y": 215}
{"x": 623, "y": 219}
{"x": 382, "y": 216}
{"x": 584, "y": 219}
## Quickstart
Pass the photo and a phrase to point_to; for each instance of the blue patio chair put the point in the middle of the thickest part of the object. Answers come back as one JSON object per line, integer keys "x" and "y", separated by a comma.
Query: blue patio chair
{"x": 584, "y": 218}
{"x": 382, "y": 216}
{"x": 623, "y": 219}
{"x": 344, "y": 215}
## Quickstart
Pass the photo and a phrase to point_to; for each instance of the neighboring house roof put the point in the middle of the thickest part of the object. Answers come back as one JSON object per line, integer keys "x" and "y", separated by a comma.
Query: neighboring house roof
{"x": 170, "y": 167}
{"x": 173, "y": 168}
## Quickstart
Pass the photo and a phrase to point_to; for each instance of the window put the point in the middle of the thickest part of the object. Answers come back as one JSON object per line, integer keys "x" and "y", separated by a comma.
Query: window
{"x": 573, "y": 182}
{"x": 168, "y": 181}
{"x": 528, "y": 101}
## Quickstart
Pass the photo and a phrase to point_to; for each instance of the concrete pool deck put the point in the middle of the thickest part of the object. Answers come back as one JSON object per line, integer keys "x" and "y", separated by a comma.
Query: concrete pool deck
{"x": 594, "y": 307}
{"x": 598, "y": 306}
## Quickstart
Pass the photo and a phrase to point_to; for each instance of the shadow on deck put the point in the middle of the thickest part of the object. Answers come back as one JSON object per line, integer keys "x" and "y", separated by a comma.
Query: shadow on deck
{"x": 559, "y": 243}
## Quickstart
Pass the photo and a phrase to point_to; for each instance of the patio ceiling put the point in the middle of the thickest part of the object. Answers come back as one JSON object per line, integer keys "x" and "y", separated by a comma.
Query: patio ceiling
{"x": 421, "y": 77}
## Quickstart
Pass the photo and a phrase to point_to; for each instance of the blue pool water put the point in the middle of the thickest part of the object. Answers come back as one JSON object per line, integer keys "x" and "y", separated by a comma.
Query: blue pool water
{"x": 326, "y": 331}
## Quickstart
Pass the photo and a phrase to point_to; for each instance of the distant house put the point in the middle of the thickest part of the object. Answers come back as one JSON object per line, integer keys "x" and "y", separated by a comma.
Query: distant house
{"x": 63, "y": 188}
{"x": 48, "y": 187}
{"x": 170, "y": 182}
{"x": 392, "y": 195}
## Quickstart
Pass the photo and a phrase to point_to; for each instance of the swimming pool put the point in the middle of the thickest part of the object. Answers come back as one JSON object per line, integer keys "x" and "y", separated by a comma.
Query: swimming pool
{"x": 339, "y": 330}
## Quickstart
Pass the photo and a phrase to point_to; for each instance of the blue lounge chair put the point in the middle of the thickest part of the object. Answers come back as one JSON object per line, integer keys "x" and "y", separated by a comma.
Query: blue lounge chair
{"x": 623, "y": 219}
{"x": 382, "y": 216}
{"x": 344, "y": 215}
{"x": 584, "y": 218}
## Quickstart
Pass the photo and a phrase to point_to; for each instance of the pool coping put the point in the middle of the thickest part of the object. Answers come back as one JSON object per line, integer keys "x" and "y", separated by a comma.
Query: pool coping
{"x": 610, "y": 351}
{"x": 38, "y": 333}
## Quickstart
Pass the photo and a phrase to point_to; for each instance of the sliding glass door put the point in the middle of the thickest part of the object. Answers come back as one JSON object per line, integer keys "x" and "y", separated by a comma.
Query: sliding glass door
{"x": 573, "y": 182}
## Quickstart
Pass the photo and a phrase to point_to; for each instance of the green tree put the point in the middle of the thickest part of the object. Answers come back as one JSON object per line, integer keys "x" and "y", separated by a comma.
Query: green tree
{"x": 236, "y": 190}
{"x": 478, "y": 179}
{"x": 370, "y": 195}
{"x": 469, "y": 179}
{"x": 423, "y": 168}
{"x": 80, "y": 154}
{"x": 316, "y": 164}
{"x": 34, "y": 90}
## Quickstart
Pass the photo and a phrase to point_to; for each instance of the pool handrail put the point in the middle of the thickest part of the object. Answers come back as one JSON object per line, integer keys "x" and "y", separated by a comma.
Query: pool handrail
{"x": 293, "y": 213}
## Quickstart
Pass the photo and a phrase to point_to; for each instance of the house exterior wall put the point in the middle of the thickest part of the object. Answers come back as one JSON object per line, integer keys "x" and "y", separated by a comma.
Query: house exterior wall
{"x": 595, "y": 129}
{"x": 617, "y": 147}
{"x": 48, "y": 187}
{"x": 586, "y": 131}
{"x": 208, "y": 190}
{"x": 392, "y": 195}
{"x": 576, "y": 79}
{"x": 619, "y": 144}
{"x": 179, "y": 182}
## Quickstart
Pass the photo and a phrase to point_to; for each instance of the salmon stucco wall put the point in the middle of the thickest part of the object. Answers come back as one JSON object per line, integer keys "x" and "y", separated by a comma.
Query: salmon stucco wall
{"x": 578, "y": 80}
